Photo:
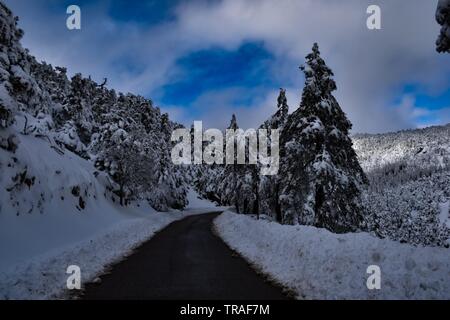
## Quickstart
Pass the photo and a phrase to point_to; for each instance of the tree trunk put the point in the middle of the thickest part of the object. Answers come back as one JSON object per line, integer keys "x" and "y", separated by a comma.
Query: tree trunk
{"x": 277, "y": 204}
{"x": 121, "y": 194}
{"x": 236, "y": 204}
{"x": 256, "y": 202}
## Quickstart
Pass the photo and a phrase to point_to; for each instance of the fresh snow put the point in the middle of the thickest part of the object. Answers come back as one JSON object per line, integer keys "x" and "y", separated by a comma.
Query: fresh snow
{"x": 317, "y": 264}
{"x": 44, "y": 276}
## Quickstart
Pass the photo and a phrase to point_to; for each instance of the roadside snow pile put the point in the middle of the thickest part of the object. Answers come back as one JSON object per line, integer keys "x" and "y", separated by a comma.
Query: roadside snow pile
{"x": 45, "y": 276}
{"x": 317, "y": 264}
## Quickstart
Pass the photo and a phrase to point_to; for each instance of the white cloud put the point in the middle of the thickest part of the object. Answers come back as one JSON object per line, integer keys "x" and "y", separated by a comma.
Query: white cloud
{"x": 370, "y": 66}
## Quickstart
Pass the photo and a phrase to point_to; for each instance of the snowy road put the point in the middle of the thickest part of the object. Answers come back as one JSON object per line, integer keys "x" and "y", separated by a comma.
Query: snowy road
{"x": 183, "y": 261}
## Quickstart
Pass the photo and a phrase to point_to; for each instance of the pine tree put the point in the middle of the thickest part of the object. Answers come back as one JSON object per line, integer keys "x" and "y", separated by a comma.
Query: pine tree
{"x": 269, "y": 186}
{"x": 229, "y": 184}
{"x": 278, "y": 119}
{"x": 321, "y": 176}
{"x": 206, "y": 178}
{"x": 249, "y": 180}
{"x": 170, "y": 190}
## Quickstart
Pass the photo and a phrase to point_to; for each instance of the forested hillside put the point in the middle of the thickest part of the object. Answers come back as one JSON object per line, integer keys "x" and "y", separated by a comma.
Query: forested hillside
{"x": 409, "y": 191}
{"x": 319, "y": 180}
{"x": 123, "y": 135}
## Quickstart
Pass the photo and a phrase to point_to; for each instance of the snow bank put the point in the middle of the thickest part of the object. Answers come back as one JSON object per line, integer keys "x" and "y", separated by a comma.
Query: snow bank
{"x": 317, "y": 264}
{"x": 44, "y": 276}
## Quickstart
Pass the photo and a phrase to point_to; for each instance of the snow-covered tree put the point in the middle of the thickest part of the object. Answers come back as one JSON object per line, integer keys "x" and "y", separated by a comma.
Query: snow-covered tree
{"x": 125, "y": 135}
{"x": 11, "y": 59}
{"x": 269, "y": 186}
{"x": 7, "y": 37}
{"x": 207, "y": 178}
{"x": 443, "y": 18}
{"x": 278, "y": 119}
{"x": 170, "y": 191}
{"x": 248, "y": 182}
{"x": 320, "y": 173}
{"x": 230, "y": 184}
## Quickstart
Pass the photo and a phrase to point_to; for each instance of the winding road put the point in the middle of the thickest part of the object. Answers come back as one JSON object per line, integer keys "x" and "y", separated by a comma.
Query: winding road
{"x": 184, "y": 261}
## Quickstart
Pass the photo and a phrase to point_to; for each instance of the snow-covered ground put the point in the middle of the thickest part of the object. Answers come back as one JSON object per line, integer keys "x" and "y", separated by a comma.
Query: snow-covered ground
{"x": 43, "y": 276}
{"x": 57, "y": 213}
{"x": 317, "y": 264}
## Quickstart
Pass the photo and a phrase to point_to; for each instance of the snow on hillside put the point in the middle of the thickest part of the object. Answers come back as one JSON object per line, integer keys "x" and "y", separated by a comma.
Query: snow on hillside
{"x": 409, "y": 174}
{"x": 421, "y": 148}
{"x": 317, "y": 264}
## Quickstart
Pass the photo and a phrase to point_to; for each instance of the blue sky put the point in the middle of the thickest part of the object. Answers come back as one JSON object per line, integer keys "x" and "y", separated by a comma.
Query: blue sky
{"x": 217, "y": 68}
{"x": 204, "y": 60}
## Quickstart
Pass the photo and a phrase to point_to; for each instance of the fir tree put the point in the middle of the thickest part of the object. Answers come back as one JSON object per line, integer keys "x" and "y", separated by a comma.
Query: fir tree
{"x": 269, "y": 186}
{"x": 321, "y": 176}
{"x": 170, "y": 190}
{"x": 229, "y": 184}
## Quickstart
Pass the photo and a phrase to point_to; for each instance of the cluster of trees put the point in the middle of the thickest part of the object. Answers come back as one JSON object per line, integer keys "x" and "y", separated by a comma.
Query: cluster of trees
{"x": 124, "y": 135}
{"x": 412, "y": 212}
{"x": 319, "y": 179}
{"x": 394, "y": 185}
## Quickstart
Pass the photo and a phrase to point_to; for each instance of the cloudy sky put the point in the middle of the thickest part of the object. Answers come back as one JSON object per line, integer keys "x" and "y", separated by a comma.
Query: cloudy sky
{"x": 204, "y": 60}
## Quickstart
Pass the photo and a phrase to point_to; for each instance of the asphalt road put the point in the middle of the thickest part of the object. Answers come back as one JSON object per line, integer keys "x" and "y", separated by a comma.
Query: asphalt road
{"x": 184, "y": 261}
